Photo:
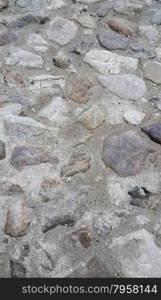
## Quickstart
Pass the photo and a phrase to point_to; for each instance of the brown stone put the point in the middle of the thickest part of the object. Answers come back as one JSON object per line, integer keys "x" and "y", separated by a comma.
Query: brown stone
{"x": 4, "y": 3}
{"x": 122, "y": 26}
{"x": 80, "y": 89}
{"x": 77, "y": 167}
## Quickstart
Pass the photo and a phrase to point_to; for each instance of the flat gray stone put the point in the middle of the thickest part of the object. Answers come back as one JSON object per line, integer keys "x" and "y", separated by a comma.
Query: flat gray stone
{"x": 61, "y": 31}
{"x": 126, "y": 86}
{"x": 112, "y": 40}
{"x": 152, "y": 71}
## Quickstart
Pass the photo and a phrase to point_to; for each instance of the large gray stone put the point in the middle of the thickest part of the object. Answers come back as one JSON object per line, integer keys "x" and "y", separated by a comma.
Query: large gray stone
{"x": 152, "y": 71}
{"x": 126, "y": 86}
{"x": 61, "y": 31}
{"x": 125, "y": 153}
{"x": 112, "y": 40}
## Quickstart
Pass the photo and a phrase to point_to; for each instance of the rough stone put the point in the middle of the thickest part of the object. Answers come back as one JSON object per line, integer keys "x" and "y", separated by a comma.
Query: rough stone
{"x": 128, "y": 7}
{"x": 7, "y": 38}
{"x": 107, "y": 62}
{"x": 80, "y": 89}
{"x": 93, "y": 117}
{"x": 138, "y": 254}
{"x": 77, "y": 167}
{"x": 126, "y": 86}
{"x": 125, "y": 153}
{"x": 18, "y": 219}
{"x": 154, "y": 132}
{"x": 23, "y": 156}
{"x": 24, "y": 58}
{"x": 37, "y": 43}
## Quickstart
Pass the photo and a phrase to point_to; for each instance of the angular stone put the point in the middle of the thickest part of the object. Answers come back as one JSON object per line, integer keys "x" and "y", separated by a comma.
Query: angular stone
{"x": 36, "y": 42}
{"x": 11, "y": 109}
{"x": 2, "y": 150}
{"x": 18, "y": 219}
{"x": 7, "y": 38}
{"x": 80, "y": 89}
{"x": 107, "y": 62}
{"x": 24, "y": 58}
{"x": 134, "y": 117}
{"x": 154, "y": 132}
{"x": 126, "y": 86}
{"x": 112, "y": 40}
{"x": 125, "y": 153}
{"x": 77, "y": 167}
{"x": 23, "y": 156}
{"x": 103, "y": 9}
{"x": 93, "y": 117}
{"x": 15, "y": 99}
{"x": 21, "y": 127}
{"x": 61, "y": 31}
{"x": 4, "y": 3}
{"x": 138, "y": 254}
{"x": 45, "y": 83}
{"x": 128, "y": 7}
{"x": 82, "y": 46}
{"x": 152, "y": 71}
{"x": 55, "y": 112}
{"x": 85, "y": 19}
{"x": 122, "y": 26}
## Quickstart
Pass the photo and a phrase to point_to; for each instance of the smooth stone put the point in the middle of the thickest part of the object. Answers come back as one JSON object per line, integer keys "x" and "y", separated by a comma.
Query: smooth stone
{"x": 2, "y": 150}
{"x": 126, "y": 86}
{"x": 152, "y": 71}
{"x": 23, "y": 156}
{"x": 125, "y": 153}
{"x": 155, "y": 16}
{"x": 112, "y": 40}
{"x": 7, "y": 38}
{"x": 18, "y": 219}
{"x": 103, "y": 9}
{"x": 24, "y": 58}
{"x": 94, "y": 117}
{"x": 30, "y": 4}
{"x": 20, "y": 21}
{"x": 106, "y": 62}
{"x": 134, "y": 117}
{"x": 128, "y": 7}
{"x": 61, "y": 31}
{"x": 11, "y": 109}
{"x": 122, "y": 26}
{"x": 154, "y": 132}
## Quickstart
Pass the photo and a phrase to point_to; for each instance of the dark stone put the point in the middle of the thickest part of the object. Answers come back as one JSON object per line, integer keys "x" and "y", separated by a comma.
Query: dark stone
{"x": 139, "y": 52}
{"x": 140, "y": 197}
{"x": 125, "y": 153}
{"x": 23, "y": 156}
{"x": 154, "y": 132}
{"x": 2, "y": 150}
{"x": 7, "y": 38}
{"x": 103, "y": 9}
{"x": 58, "y": 221}
{"x": 17, "y": 270}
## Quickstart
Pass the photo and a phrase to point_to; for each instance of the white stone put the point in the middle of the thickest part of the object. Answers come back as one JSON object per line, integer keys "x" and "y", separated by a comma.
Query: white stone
{"x": 134, "y": 117}
{"x": 11, "y": 109}
{"x": 108, "y": 62}
{"x": 37, "y": 43}
{"x": 55, "y": 111}
{"x": 24, "y": 58}
{"x": 138, "y": 254}
{"x": 61, "y": 31}
{"x": 45, "y": 82}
